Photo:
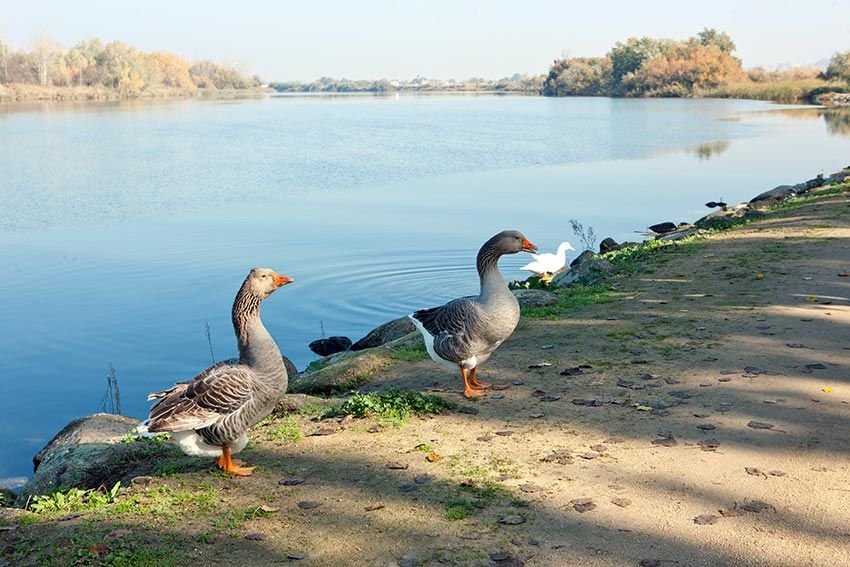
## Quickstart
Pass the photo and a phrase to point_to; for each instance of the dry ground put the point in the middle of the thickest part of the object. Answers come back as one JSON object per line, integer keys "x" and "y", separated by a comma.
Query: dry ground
{"x": 749, "y": 326}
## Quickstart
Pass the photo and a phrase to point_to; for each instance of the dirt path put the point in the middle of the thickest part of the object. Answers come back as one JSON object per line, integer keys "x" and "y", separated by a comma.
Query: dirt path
{"x": 735, "y": 351}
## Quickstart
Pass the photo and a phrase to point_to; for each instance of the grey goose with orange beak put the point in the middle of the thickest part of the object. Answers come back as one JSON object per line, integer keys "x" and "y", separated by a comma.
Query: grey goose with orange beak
{"x": 464, "y": 332}
{"x": 210, "y": 415}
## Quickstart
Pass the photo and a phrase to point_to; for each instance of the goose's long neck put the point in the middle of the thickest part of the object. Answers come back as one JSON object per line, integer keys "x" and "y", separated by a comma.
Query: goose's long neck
{"x": 492, "y": 282}
{"x": 257, "y": 348}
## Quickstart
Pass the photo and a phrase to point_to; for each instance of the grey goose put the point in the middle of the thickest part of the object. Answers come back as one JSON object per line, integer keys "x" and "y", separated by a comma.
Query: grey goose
{"x": 464, "y": 332}
{"x": 210, "y": 414}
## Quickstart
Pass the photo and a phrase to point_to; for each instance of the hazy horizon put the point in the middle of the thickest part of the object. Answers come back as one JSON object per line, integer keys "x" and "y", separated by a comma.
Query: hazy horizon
{"x": 374, "y": 40}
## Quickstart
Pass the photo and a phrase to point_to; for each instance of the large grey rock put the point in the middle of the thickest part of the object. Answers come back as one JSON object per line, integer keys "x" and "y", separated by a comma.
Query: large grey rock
{"x": 838, "y": 177}
{"x": 291, "y": 370}
{"x": 382, "y": 334}
{"x": 88, "y": 453}
{"x": 535, "y": 297}
{"x": 722, "y": 218}
{"x": 774, "y": 196}
{"x": 663, "y": 227}
{"x": 590, "y": 271}
{"x": 581, "y": 258}
{"x": 97, "y": 428}
{"x": 607, "y": 245}
{"x": 330, "y": 345}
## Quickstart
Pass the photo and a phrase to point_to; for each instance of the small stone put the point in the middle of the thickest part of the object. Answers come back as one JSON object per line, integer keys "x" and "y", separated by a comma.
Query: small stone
{"x": 706, "y": 427}
{"x": 583, "y": 505}
{"x": 255, "y": 536}
{"x": 709, "y": 445}
{"x": 756, "y": 506}
{"x": 760, "y": 425}
{"x": 308, "y": 504}
{"x": 500, "y": 556}
{"x": 291, "y": 481}
{"x": 505, "y": 433}
{"x": 497, "y": 396}
{"x": 512, "y": 520}
{"x": 550, "y": 398}
{"x": 621, "y": 502}
{"x": 373, "y": 507}
{"x": 424, "y": 479}
{"x": 397, "y": 466}
{"x": 754, "y": 370}
{"x": 665, "y": 441}
{"x": 297, "y": 556}
{"x": 536, "y": 415}
{"x": 705, "y": 520}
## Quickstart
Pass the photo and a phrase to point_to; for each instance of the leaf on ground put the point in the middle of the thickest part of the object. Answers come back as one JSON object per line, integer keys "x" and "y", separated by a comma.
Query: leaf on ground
{"x": 324, "y": 431}
{"x": 705, "y": 519}
{"x": 433, "y": 457}
{"x": 760, "y": 425}
{"x": 621, "y": 502}
{"x": 828, "y": 390}
{"x": 373, "y": 507}
{"x": 268, "y": 509}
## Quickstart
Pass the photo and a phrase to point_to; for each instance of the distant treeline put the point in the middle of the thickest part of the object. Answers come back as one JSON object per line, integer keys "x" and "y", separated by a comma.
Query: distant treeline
{"x": 515, "y": 83}
{"x": 113, "y": 65}
{"x": 703, "y": 65}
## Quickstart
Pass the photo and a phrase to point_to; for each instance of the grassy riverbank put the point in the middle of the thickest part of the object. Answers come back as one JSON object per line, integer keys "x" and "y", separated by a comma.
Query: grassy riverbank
{"x": 695, "y": 413}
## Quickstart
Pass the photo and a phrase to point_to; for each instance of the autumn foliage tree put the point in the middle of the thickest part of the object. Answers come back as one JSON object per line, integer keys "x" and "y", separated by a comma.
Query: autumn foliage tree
{"x": 114, "y": 65}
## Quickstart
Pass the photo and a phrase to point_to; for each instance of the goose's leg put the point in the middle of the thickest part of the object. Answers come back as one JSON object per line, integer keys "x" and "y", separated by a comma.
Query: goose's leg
{"x": 477, "y": 384}
{"x": 468, "y": 391}
{"x": 226, "y": 464}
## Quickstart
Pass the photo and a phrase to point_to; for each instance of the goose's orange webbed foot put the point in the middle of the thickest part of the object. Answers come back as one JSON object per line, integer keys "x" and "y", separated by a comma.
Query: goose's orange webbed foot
{"x": 231, "y": 467}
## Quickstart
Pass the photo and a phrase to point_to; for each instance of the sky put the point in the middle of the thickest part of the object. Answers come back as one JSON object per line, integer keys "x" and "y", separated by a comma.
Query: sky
{"x": 364, "y": 39}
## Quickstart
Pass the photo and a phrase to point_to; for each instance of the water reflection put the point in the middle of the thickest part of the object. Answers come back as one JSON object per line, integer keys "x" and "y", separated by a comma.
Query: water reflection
{"x": 708, "y": 150}
{"x": 836, "y": 119}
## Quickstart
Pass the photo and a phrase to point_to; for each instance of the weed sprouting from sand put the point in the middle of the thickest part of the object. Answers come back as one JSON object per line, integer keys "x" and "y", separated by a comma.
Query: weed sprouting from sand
{"x": 286, "y": 430}
{"x": 585, "y": 234}
{"x": 111, "y": 402}
{"x": 73, "y": 500}
{"x": 208, "y": 334}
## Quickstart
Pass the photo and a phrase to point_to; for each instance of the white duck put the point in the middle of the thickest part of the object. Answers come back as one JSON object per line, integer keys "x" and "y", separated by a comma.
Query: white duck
{"x": 549, "y": 263}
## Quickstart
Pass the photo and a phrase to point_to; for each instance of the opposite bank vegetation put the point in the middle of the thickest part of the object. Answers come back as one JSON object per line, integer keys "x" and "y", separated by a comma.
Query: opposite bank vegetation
{"x": 704, "y": 65}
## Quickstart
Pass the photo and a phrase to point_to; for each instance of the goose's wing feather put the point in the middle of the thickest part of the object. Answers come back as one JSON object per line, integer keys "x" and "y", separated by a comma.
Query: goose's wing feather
{"x": 219, "y": 390}
{"x": 453, "y": 327}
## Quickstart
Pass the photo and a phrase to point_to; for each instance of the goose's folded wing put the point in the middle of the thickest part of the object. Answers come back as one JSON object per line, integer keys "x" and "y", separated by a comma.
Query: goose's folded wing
{"x": 217, "y": 391}
{"x": 453, "y": 327}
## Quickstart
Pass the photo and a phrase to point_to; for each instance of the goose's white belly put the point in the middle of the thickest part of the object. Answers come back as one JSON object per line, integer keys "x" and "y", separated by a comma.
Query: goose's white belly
{"x": 193, "y": 444}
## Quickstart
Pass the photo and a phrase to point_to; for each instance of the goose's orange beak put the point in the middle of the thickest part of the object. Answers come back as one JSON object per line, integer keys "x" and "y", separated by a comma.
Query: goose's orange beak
{"x": 528, "y": 246}
{"x": 280, "y": 281}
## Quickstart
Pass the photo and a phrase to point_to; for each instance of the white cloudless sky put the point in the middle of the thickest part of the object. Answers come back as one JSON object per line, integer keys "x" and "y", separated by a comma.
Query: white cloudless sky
{"x": 303, "y": 40}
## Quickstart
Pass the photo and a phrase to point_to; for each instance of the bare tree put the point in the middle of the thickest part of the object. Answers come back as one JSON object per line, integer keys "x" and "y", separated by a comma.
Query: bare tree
{"x": 4, "y": 62}
{"x": 44, "y": 52}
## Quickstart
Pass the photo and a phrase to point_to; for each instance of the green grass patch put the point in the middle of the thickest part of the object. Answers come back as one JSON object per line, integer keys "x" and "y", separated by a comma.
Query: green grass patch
{"x": 409, "y": 354}
{"x": 286, "y": 429}
{"x": 571, "y": 299}
{"x": 471, "y": 500}
{"x": 73, "y": 500}
{"x": 394, "y": 405}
